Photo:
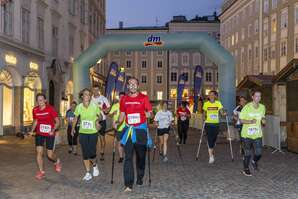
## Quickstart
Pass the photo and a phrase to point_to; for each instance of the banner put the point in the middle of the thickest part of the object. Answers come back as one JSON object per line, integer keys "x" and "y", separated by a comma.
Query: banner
{"x": 181, "y": 85}
{"x": 198, "y": 77}
{"x": 120, "y": 82}
{"x": 111, "y": 80}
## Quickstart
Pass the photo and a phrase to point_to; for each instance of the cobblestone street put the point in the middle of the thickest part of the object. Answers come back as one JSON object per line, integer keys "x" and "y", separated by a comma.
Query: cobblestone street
{"x": 277, "y": 178}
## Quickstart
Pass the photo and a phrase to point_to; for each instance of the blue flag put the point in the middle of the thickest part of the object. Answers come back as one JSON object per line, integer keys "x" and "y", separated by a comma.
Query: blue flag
{"x": 198, "y": 77}
{"x": 111, "y": 80}
{"x": 120, "y": 82}
{"x": 181, "y": 85}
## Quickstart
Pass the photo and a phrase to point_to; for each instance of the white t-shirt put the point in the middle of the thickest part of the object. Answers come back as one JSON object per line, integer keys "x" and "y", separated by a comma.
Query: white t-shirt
{"x": 101, "y": 100}
{"x": 164, "y": 119}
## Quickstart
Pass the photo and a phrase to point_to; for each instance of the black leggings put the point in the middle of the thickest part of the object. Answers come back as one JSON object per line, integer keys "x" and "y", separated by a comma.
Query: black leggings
{"x": 88, "y": 145}
{"x": 212, "y": 132}
{"x": 72, "y": 140}
{"x": 182, "y": 130}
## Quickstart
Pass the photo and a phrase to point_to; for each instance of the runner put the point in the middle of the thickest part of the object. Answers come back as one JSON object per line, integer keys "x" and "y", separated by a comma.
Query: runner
{"x": 212, "y": 108}
{"x": 104, "y": 105}
{"x": 115, "y": 113}
{"x": 89, "y": 114}
{"x": 72, "y": 140}
{"x": 134, "y": 107}
{"x": 237, "y": 110}
{"x": 252, "y": 117}
{"x": 163, "y": 120}
{"x": 45, "y": 124}
{"x": 183, "y": 115}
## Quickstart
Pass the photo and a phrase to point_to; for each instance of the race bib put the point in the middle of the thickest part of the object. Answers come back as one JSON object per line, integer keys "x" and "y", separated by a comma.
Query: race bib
{"x": 44, "y": 128}
{"x": 134, "y": 118}
{"x": 253, "y": 130}
{"x": 71, "y": 119}
{"x": 183, "y": 118}
{"x": 87, "y": 124}
{"x": 213, "y": 116}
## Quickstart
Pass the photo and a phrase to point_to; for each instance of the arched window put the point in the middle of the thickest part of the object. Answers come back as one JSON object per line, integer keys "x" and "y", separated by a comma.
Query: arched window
{"x": 6, "y": 89}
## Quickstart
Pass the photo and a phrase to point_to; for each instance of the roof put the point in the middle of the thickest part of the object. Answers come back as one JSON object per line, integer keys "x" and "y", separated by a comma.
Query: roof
{"x": 256, "y": 80}
{"x": 286, "y": 71}
{"x": 141, "y": 28}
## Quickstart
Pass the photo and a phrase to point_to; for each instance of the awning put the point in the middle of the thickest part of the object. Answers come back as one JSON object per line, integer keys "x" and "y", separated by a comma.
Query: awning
{"x": 286, "y": 72}
{"x": 251, "y": 81}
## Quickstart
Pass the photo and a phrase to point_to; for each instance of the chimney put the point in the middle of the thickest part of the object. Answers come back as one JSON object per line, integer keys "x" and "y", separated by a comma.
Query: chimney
{"x": 120, "y": 24}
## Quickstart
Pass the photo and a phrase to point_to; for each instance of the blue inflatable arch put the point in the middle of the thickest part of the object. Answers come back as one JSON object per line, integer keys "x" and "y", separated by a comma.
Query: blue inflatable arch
{"x": 162, "y": 41}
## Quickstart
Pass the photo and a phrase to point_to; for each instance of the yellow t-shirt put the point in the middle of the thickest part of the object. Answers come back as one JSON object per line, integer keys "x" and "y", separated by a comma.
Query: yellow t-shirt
{"x": 212, "y": 111}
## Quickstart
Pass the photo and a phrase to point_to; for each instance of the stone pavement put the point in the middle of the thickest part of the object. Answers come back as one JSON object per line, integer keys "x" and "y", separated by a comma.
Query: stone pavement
{"x": 277, "y": 178}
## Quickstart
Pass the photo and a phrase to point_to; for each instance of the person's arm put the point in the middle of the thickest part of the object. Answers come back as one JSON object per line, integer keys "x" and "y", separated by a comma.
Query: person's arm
{"x": 156, "y": 119}
{"x": 56, "y": 126}
{"x": 34, "y": 124}
{"x": 148, "y": 108}
{"x": 73, "y": 126}
{"x": 243, "y": 117}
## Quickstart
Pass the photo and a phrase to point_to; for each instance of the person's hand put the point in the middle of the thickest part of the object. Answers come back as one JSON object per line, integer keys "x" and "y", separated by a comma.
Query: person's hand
{"x": 115, "y": 125}
{"x": 31, "y": 133}
{"x": 253, "y": 121}
{"x": 263, "y": 121}
{"x": 52, "y": 133}
{"x": 72, "y": 132}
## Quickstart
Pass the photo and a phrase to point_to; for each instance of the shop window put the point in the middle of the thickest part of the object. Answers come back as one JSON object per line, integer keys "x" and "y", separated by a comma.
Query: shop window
{"x": 28, "y": 105}
{"x": 7, "y": 105}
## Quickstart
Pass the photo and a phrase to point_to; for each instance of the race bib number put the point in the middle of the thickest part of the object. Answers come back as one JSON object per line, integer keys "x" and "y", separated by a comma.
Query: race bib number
{"x": 253, "y": 130}
{"x": 71, "y": 119}
{"x": 44, "y": 128}
{"x": 87, "y": 124}
{"x": 134, "y": 118}
{"x": 183, "y": 118}
{"x": 213, "y": 116}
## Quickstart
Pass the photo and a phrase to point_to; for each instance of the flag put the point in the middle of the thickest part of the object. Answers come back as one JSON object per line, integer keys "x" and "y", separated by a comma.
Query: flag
{"x": 198, "y": 77}
{"x": 120, "y": 82}
{"x": 111, "y": 80}
{"x": 181, "y": 85}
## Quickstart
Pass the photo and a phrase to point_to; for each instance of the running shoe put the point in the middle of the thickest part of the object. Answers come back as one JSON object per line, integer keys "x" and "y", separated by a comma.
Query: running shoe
{"x": 211, "y": 160}
{"x": 102, "y": 157}
{"x": 139, "y": 182}
{"x": 87, "y": 177}
{"x": 165, "y": 159}
{"x": 120, "y": 160}
{"x": 40, "y": 175}
{"x": 254, "y": 165}
{"x": 127, "y": 189}
{"x": 246, "y": 172}
{"x": 58, "y": 166}
{"x": 95, "y": 171}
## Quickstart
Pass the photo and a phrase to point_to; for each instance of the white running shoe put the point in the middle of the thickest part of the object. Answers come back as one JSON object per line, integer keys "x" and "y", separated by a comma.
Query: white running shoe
{"x": 87, "y": 177}
{"x": 211, "y": 159}
{"x": 95, "y": 171}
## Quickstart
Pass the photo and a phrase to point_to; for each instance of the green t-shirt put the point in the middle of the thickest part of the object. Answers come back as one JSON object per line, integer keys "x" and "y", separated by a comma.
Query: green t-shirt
{"x": 88, "y": 117}
{"x": 116, "y": 108}
{"x": 252, "y": 131}
{"x": 212, "y": 111}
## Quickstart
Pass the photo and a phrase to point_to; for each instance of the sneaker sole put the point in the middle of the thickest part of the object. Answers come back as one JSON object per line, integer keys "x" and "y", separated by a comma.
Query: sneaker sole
{"x": 246, "y": 174}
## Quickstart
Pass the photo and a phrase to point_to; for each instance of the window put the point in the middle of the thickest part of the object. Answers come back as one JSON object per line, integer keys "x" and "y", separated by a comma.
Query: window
{"x": 296, "y": 45}
{"x": 273, "y": 23}
{"x": 173, "y": 76}
{"x": 71, "y": 44}
{"x": 274, "y": 4}
{"x": 144, "y": 64}
{"x": 284, "y": 19}
{"x": 143, "y": 79}
{"x": 208, "y": 77}
{"x": 128, "y": 64}
{"x": 159, "y": 64}
{"x": 273, "y": 53}
{"x": 25, "y": 25}
{"x": 283, "y": 50}
{"x": 174, "y": 59}
{"x": 184, "y": 59}
{"x": 72, "y": 7}
{"x": 266, "y": 27}
{"x": 186, "y": 77}
{"x": 159, "y": 79}
{"x": 82, "y": 11}
{"x": 7, "y": 17}
{"x": 159, "y": 95}
{"x": 40, "y": 32}
{"x": 296, "y": 14}
{"x": 256, "y": 26}
{"x": 265, "y": 54}
{"x": 266, "y": 6}
{"x": 217, "y": 76}
{"x": 257, "y": 51}
{"x": 196, "y": 59}
{"x": 54, "y": 40}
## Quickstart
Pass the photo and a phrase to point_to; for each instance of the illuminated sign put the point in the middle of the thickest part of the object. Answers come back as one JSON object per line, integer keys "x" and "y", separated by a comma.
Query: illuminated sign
{"x": 10, "y": 59}
{"x": 153, "y": 41}
{"x": 33, "y": 66}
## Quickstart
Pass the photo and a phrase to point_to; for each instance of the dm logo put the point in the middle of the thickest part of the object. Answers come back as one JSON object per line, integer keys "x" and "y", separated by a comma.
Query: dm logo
{"x": 153, "y": 41}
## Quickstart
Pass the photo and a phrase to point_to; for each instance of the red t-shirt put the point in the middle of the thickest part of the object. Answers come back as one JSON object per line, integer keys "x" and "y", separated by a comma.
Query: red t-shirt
{"x": 45, "y": 120}
{"x": 182, "y": 113}
{"x": 135, "y": 108}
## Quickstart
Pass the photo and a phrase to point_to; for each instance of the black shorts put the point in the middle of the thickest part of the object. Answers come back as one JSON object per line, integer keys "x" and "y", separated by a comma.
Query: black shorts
{"x": 49, "y": 140}
{"x": 103, "y": 124}
{"x": 161, "y": 132}
{"x": 212, "y": 132}
{"x": 88, "y": 145}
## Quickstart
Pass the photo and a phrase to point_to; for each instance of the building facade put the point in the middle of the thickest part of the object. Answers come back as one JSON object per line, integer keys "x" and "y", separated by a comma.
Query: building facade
{"x": 39, "y": 40}
{"x": 158, "y": 71}
{"x": 262, "y": 35}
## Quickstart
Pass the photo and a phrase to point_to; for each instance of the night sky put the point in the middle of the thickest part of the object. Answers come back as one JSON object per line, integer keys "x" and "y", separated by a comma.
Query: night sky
{"x": 156, "y": 12}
